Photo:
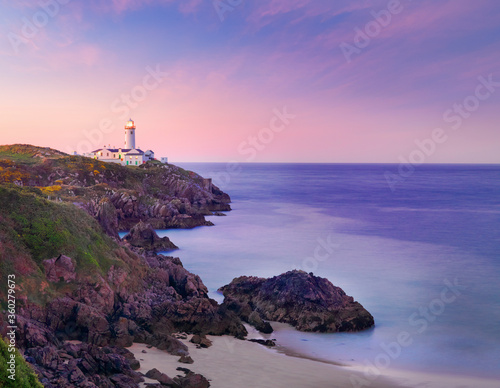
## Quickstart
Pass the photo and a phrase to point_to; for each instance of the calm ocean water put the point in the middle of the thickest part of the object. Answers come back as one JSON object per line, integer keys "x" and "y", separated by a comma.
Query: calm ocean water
{"x": 395, "y": 252}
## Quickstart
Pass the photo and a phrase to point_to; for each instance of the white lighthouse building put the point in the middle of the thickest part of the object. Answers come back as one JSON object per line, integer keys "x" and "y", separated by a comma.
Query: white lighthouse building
{"x": 127, "y": 156}
{"x": 130, "y": 134}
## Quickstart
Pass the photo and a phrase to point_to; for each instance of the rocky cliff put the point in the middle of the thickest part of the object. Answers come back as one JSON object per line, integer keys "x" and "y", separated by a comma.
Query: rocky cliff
{"x": 76, "y": 280}
{"x": 164, "y": 195}
{"x": 308, "y": 302}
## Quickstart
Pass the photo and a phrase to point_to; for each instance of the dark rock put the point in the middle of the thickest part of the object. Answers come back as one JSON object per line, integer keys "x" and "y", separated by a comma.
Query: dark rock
{"x": 170, "y": 344}
{"x": 143, "y": 235}
{"x": 121, "y": 380}
{"x": 255, "y": 320}
{"x": 46, "y": 357}
{"x": 191, "y": 380}
{"x": 268, "y": 343}
{"x": 61, "y": 268}
{"x": 186, "y": 360}
{"x": 134, "y": 364}
{"x": 108, "y": 217}
{"x": 155, "y": 374}
{"x": 33, "y": 333}
{"x": 123, "y": 330}
{"x": 201, "y": 315}
{"x": 303, "y": 300}
{"x": 202, "y": 340}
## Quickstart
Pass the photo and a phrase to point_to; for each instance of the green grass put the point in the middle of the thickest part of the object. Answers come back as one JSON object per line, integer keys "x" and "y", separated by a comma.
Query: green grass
{"x": 24, "y": 153}
{"x": 19, "y": 158}
{"x": 47, "y": 229}
{"x": 25, "y": 377}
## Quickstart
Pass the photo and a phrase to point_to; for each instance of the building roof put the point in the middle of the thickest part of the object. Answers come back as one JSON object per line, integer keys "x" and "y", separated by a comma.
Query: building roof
{"x": 138, "y": 152}
{"x": 123, "y": 150}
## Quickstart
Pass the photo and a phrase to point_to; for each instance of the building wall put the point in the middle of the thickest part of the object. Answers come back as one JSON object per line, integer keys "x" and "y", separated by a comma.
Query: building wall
{"x": 110, "y": 160}
{"x": 133, "y": 160}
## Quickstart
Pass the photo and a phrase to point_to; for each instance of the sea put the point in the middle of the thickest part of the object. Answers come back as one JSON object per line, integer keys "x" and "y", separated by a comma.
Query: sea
{"x": 419, "y": 250}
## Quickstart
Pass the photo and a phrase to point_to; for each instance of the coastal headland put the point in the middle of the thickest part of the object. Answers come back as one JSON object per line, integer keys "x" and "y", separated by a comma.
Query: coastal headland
{"x": 94, "y": 310}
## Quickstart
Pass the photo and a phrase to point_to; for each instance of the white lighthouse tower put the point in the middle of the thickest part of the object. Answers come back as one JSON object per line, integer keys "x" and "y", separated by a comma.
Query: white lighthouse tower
{"x": 130, "y": 135}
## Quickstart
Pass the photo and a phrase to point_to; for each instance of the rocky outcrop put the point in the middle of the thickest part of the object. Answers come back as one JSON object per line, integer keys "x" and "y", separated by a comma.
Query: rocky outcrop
{"x": 186, "y": 360}
{"x": 77, "y": 283}
{"x": 308, "y": 302}
{"x": 83, "y": 365}
{"x": 107, "y": 216}
{"x": 144, "y": 236}
{"x": 162, "y": 378}
{"x": 244, "y": 311}
{"x": 268, "y": 343}
{"x": 106, "y": 315}
{"x": 201, "y": 340}
{"x": 190, "y": 380}
{"x": 61, "y": 268}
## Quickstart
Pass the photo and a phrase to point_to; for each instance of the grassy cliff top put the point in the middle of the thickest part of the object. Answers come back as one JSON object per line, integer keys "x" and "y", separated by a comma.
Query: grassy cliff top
{"x": 28, "y": 154}
{"x": 68, "y": 177}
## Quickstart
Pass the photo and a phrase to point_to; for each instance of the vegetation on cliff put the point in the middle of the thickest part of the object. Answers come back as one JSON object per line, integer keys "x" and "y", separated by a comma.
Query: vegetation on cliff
{"x": 33, "y": 229}
{"x": 167, "y": 196}
{"x": 24, "y": 376}
{"x": 77, "y": 280}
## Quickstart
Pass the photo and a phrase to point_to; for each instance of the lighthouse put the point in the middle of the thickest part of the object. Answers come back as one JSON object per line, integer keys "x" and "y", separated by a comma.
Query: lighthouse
{"x": 130, "y": 135}
{"x": 128, "y": 156}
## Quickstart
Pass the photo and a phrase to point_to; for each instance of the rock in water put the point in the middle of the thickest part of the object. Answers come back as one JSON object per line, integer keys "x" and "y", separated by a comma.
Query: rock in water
{"x": 308, "y": 302}
{"x": 142, "y": 235}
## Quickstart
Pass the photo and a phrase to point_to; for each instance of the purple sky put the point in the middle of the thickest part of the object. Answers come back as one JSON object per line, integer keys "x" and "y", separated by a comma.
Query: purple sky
{"x": 259, "y": 81}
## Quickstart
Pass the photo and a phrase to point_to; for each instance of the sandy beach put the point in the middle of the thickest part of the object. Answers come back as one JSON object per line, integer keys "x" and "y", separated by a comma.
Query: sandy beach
{"x": 231, "y": 363}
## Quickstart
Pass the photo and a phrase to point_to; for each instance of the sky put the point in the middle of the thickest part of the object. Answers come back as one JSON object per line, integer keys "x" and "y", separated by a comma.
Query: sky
{"x": 323, "y": 81}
